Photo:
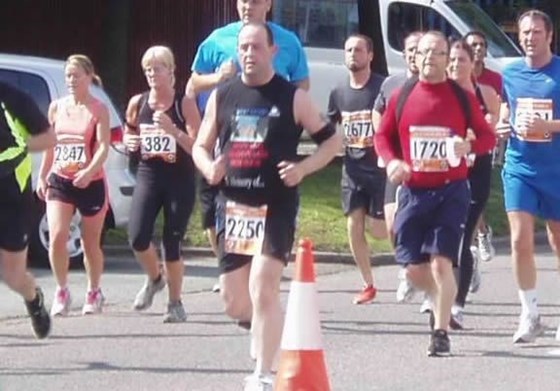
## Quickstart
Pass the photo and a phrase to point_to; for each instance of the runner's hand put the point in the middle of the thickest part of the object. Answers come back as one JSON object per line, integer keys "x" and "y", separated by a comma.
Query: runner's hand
{"x": 217, "y": 170}
{"x": 531, "y": 124}
{"x": 132, "y": 141}
{"x": 290, "y": 173}
{"x": 42, "y": 188}
{"x": 162, "y": 121}
{"x": 503, "y": 130}
{"x": 82, "y": 179}
{"x": 398, "y": 171}
{"x": 227, "y": 70}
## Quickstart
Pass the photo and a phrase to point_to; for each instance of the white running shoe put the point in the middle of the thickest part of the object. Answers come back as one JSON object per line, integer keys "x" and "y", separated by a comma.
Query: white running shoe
{"x": 256, "y": 382}
{"x": 216, "y": 288}
{"x": 457, "y": 317}
{"x": 405, "y": 291}
{"x": 94, "y": 302}
{"x": 476, "y": 276}
{"x": 426, "y": 306}
{"x": 558, "y": 333}
{"x": 61, "y": 302}
{"x": 530, "y": 327}
{"x": 145, "y": 296}
{"x": 486, "y": 249}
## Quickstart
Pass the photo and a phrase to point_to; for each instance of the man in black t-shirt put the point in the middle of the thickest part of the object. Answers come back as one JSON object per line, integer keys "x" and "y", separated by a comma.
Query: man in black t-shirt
{"x": 363, "y": 182}
{"x": 22, "y": 128}
{"x": 258, "y": 119}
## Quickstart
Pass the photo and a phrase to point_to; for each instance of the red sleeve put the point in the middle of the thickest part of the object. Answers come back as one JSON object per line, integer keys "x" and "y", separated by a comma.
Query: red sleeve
{"x": 387, "y": 133}
{"x": 485, "y": 138}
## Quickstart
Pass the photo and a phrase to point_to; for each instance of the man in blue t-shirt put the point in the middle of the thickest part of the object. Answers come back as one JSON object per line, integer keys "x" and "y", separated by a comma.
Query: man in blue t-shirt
{"x": 531, "y": 174}
{"x": 216, "y": 62}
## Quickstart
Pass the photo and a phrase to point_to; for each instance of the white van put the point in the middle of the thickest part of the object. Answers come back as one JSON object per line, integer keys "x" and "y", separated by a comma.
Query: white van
{"x": 323, "y": 25}
{"x": 43, "y": 80}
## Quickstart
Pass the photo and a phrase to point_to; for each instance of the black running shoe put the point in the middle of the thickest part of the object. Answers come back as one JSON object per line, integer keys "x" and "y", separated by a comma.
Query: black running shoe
{"x": 244, "y": 324}
{"x": 40, "y": 319}
{"x": 439, "y": 344}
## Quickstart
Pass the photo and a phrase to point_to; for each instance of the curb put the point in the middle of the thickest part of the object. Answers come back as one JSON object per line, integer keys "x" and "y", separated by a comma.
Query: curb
{"x": 501, "y": 244}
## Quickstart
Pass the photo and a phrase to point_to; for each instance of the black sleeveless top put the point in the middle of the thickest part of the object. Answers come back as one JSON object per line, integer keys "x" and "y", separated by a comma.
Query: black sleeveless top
{"x": 257, "y": 130}
{"x": 183, "y": 163}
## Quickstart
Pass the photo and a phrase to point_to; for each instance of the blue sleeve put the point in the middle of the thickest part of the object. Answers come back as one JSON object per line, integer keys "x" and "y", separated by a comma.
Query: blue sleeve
{"x": 300, "y": 69}
{"x": 204, "y": 61}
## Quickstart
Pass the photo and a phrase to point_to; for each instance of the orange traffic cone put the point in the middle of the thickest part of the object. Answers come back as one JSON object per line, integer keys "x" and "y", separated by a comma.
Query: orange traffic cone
{"x": 302, "y": 363}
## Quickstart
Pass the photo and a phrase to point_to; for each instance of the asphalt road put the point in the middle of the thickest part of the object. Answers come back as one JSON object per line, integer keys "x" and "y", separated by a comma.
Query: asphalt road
{"x": 381, "y": 346}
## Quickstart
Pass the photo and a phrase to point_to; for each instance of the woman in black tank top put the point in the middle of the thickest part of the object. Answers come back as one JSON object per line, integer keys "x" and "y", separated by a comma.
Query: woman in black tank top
{"x": 461, "y": 68}
{"x": 161, "y": 126}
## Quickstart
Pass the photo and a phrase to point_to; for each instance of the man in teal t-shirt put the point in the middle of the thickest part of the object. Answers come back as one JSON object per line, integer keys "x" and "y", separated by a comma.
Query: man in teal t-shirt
{"x": 531, "y": 174}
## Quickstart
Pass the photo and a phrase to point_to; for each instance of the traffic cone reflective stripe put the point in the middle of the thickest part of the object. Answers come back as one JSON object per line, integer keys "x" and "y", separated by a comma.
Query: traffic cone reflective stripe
{"x": 301, "y": 301}
{"x": 302, "y": 363}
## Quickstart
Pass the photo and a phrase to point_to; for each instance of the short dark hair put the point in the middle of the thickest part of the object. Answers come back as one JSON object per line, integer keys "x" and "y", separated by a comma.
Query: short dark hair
{"x": 365, "y": 38}
{"x": 265, "y": 27}
{"x": 537, "y": 14}
{"x": 476, "y": 33}
{"x": 462, "y": 44}
{"x": 413, "y": 34}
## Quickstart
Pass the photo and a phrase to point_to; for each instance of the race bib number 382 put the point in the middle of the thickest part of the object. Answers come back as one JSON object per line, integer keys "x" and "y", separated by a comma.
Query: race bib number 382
{"x": 157, "y": 144}
{"x": 428, "y": 150}
{"x": 244, "y": 228}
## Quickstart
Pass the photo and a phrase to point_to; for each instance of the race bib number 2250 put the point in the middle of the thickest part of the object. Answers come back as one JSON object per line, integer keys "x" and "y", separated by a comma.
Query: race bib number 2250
{"x": 245, "y": 227}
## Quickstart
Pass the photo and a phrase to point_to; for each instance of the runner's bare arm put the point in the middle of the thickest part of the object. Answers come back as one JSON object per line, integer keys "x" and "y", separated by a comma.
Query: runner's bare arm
{"x": 131, "y": 136}
{"x": 492, "y": 102}
{"x": 303, "y": 84}
{"x": 47, "y": 161}
{"x": 103, "y": 140}
{"x": 375, "y": 119}
{"x": 212, "y": 169}
{"x": 321, "y": 130}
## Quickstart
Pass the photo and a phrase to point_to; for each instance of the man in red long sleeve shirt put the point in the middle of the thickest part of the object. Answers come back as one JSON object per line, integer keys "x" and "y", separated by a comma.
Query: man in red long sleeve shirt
{"x": 434, "y": 199}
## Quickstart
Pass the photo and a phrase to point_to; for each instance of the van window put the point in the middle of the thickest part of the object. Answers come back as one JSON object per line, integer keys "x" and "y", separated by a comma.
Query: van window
{"x": 405, "y": 18}
{"x": 324, "y": 24}
{"x": 31, "y": 84}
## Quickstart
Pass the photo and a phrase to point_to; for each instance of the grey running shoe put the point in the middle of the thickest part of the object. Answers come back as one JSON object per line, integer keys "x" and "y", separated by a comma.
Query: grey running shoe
{"x": 40, "y": 319}
{"x": 405, "y": 291}
{"x": 486, "y": 249}
{"x": 476, "y": 276}
{"x": 558, "y": 334}
{"x": 530, "y": 327}
{"x": 175, "y": 313}
{"x": 439, "y": 344}
{"x": 256, "y": 382}
{"x": 145, "y": 297}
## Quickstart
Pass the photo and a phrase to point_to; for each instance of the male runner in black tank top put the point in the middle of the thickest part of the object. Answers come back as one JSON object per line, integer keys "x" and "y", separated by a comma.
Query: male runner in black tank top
{"x": 363, "y": 182}
{"x": 258, "y": 119}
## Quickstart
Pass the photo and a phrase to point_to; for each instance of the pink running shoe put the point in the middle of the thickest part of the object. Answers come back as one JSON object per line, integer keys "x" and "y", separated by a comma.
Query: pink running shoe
{"x": 61, "y": 302}
{"x": 94, "y": 302}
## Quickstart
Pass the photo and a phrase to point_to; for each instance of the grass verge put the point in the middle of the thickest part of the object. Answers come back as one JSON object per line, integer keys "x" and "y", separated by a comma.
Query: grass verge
{"x": 321, "y": 218}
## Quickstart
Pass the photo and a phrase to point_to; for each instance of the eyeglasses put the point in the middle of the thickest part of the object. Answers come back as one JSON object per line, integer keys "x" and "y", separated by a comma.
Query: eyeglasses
{"x": 433, "y": 52}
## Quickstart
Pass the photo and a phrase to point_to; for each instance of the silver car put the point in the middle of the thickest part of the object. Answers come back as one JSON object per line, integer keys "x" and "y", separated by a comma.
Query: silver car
{"x": 43, "y": 79}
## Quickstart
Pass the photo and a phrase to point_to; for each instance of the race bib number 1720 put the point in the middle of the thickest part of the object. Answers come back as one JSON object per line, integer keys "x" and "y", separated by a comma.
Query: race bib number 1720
{"x": 428, "y": 149}
{"x": 244, "y": 228}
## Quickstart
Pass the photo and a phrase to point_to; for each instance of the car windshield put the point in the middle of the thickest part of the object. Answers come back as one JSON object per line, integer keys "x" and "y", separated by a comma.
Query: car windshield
{"x": 499, "y": 44}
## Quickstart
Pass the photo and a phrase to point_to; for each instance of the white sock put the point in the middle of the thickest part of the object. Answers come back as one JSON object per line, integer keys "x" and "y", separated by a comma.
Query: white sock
{"x": 529, "y": 303}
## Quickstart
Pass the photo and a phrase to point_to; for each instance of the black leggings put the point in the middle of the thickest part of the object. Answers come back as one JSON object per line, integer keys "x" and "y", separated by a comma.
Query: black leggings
{"x": 154, "y": 191}
{"x": 480, "y": 176}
